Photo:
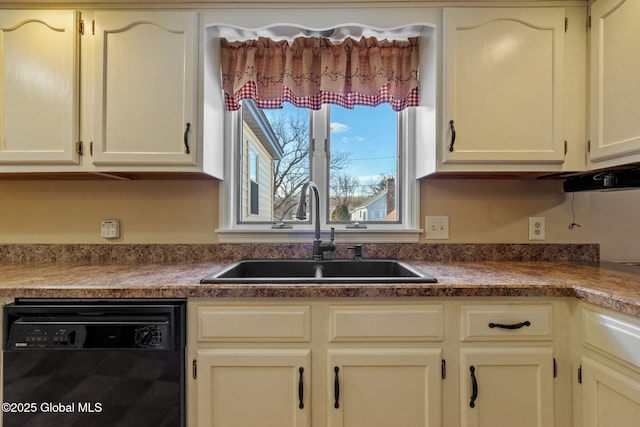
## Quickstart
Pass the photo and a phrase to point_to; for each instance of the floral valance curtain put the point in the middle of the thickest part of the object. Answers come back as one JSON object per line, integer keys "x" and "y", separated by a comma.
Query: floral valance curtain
{"x": 309, "y": 72}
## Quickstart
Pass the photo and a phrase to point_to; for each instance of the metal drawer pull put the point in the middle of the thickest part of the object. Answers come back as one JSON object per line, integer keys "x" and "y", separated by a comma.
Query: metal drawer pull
{"x": 514, "y": 326}
{"x": 336, "y": 388}
{"x": 186, "y": 138}
{"x": 453, "y": 135}
{"x": 474, "y": 387}
{"x": 301, "y": 390}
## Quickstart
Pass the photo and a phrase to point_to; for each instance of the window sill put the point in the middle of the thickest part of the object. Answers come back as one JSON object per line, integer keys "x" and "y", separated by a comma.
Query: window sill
{"x": 306, "y": 236}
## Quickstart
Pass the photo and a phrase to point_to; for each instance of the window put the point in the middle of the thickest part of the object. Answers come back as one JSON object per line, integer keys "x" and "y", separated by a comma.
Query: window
{"x": 344, "y": 124}
{"x": 278, "y": 174}
{"x": 355, "y": 157}
{"x": 363, "y": 164}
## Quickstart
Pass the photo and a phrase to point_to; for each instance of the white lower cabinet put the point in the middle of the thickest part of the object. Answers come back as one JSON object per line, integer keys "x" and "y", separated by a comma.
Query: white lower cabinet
{"x": 505, "y": 387}
{"x": 507, "y": 357}
{"x": 610, "y": 368}
{"x": 254, "y": 387}
{"x": 384, "y": 387}
{"x": 609, "y": 397}
{"x": 376, "y": 364}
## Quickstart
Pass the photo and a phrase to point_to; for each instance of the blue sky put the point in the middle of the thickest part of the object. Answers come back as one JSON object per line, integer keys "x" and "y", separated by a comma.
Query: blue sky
{"x": 369, "y": 134}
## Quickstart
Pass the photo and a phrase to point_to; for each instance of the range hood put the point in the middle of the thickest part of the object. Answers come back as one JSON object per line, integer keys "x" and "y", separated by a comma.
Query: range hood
{"x": 608, "y": 180}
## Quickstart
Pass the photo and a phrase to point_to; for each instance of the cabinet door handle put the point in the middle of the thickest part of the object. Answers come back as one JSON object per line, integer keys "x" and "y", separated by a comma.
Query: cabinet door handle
{"x": 474, "y": 387}
{"x": 301, "y": 389}
{"x": 186, "y": 138}
{"x": 513, "y": 326}
{"x": 453, "y": 135}
{"x": 336, "y": 388}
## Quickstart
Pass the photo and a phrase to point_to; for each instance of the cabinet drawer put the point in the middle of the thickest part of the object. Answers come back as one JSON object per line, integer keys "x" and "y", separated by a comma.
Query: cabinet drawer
{"x": 254, "y": 324}
{"x": 386, "y": 323}
{"x": 615, "y": 335}
{"x": 507, "y": 322}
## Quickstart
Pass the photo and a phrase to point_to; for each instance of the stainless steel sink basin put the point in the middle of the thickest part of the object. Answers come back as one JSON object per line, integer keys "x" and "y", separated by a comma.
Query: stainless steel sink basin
{"x": 324, "y": 271}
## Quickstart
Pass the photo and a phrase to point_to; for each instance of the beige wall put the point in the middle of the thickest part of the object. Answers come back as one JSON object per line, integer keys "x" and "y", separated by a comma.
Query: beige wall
{"x": 480, "y": 211}
{"x": 498, "y": 211}
{"x": 615, "y": 216}
{"x": 71, "y": 211}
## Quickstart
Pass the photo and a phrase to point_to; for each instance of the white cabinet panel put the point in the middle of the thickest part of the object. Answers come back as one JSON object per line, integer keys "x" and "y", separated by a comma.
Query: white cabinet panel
{"x": 146, "y": 79}
{"x": 386, "y": 323}
{"x": 254, "y": 324}
{"x": 615, "y": 92}
{"x": 506, "y": 322}
{"x": 254, "y": 387}
{"x": 384, "y": 387}
{"x": 39, "y": 87}
{"x": 504, "y": 86}
{"x": 610, "y": 398}
{"x": 506, "y": 387}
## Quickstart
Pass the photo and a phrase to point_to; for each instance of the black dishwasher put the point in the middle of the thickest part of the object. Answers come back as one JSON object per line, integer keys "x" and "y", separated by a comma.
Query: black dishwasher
{"x": 97, "y": 363}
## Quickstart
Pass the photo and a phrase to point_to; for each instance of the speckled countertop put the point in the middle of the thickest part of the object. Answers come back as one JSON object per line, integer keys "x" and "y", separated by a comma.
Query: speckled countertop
{"x": 601, "y": 284}
{"x": 609, "y": 285}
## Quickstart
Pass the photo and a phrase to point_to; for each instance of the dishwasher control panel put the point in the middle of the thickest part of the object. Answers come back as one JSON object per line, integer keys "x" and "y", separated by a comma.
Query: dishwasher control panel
{"x": 42, "y": 335}
{"x": 45, "y": 336}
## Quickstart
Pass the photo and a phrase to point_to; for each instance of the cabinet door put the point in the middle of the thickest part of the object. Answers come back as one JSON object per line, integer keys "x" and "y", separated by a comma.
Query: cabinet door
{"x": 39, "y": 121}
{"x": 506, "y": 387}
{"x": 610, "y": 399}
{"x": 253, "y": 387}
{"x": 615, "y": 92}
{"x": 146, "y": 88}
{"x": 503, "y": 86}
{"x": 384, "y": 387}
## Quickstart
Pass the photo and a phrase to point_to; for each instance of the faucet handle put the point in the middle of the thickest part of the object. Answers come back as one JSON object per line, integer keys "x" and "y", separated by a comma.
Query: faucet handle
{"x": 333, "y": 233}
{"x": 357, "y": 251}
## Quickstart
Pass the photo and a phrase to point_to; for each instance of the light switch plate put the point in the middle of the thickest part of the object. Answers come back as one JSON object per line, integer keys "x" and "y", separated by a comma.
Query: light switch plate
{"x": 437, "y": 227}
{"x": 110, "y": 229}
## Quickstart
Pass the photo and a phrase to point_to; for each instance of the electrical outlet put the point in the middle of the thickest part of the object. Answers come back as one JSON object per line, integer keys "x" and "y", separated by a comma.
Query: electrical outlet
{"x": 110, "y": 229}
{"x": 437, "y": 227}
{"x": 536, "y": 228}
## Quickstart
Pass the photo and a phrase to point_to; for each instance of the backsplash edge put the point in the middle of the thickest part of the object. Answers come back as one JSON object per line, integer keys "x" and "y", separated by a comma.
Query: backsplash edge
{"x": 228, "y": 252}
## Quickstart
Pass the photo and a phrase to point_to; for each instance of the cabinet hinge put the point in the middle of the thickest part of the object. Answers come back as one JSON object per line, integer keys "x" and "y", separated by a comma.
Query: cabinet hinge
{"x": 93, "y": 27}
{"x": 588, "y": 22}
{"x": 79, "y": 148}
{"x": 580, "y": 374}
{"x": 81, "y": 27}
{"x": 566, "y": 24}
{"x": 91, "y": 148}
{"x": 588, "y": 146}
{"x": 555, "y": 368}
{"x": 565, "y": 147}
{"x": 194, "y": 369}
{"x": 443, "y": 369}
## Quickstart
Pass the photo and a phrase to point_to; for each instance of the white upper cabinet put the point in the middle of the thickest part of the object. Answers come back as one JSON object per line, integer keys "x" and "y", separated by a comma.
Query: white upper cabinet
{"x": 146, "y": 89}
{"x": 503, "y": 85}
{"x": 39, "y": 121}
{"x": 614, "y": 91}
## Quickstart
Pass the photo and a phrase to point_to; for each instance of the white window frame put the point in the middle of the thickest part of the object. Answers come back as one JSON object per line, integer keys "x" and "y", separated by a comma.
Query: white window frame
{"x": 407, "y": 230}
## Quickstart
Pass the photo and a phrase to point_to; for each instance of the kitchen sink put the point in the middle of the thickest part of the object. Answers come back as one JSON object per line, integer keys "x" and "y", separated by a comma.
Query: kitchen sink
{"x": 319, "y": 271}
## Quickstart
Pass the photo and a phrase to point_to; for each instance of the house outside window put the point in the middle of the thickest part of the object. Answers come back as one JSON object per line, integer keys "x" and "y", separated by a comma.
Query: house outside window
{"x": 257, "y": 154}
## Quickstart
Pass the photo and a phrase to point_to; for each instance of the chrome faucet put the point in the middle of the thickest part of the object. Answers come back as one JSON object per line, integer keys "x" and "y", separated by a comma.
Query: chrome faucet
{"x": 319, "y": 248}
